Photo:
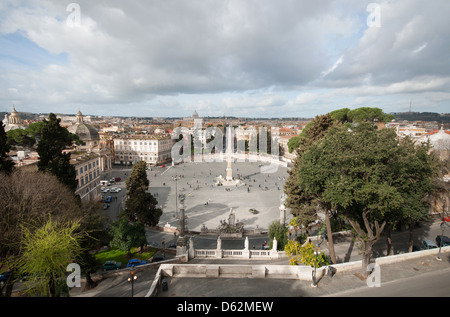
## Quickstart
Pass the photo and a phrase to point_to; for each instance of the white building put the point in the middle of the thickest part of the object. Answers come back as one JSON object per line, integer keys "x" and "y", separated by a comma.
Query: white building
{"x": 152, "y": 149}
{"x": 13, "y": 121}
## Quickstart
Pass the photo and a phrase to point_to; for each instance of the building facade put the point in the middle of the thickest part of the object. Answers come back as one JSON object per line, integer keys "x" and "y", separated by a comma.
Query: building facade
{"x": 152, "y": 149}
{"x": 88, "y": 171}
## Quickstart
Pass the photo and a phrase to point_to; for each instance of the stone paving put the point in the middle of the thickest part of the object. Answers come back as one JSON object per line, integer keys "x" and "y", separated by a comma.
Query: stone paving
{"x": 208, "y": 204}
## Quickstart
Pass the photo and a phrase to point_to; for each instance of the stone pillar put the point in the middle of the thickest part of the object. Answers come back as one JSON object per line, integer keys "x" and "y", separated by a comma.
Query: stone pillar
{"x": 283, "y": 209}
{"x": 181, "y": 242}
{"x": 282, "y": 215}
{"x": 191, "y": 252}
{"x": 219, "y": 251}
{"x": 246, "y": 252}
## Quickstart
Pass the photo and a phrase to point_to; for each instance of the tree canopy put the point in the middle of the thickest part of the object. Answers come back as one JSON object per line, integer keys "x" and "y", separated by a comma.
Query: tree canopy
{"x": 367, "y": 175}
{"x": 127, "y": 235}
{"x": 54, "y": 139}
{"x": 47, "y": 250}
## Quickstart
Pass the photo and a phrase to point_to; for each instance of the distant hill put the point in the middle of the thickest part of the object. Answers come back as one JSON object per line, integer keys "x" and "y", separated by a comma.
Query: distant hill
{"x": 422, "y": 116}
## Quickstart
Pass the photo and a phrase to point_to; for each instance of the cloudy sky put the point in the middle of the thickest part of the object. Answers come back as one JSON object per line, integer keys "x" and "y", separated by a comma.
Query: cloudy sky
{"x": 255, "y": 58}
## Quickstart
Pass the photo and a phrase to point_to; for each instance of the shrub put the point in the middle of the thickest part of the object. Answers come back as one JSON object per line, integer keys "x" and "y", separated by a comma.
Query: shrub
{"x": 304, "y": 254}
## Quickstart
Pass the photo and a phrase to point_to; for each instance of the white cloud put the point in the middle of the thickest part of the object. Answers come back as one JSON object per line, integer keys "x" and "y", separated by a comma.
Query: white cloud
{"x": 253, "y": 57}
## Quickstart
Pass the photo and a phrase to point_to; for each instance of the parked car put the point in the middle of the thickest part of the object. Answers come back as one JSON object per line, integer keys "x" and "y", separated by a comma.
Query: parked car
{"x": 112, "y": 265}
{"x": 117, "y": 179}
{"x": 157, "y": 258}
{"x": 5, "y": 276}
{"x": 104, "y": 190}
{"x": 108, "y": 199}
{"x": 136, "y": 262}
{"x": 428, "y": 244}
{"x": 115, "y": 190}
{"x": 105, "y": 206}
{"x": 445, "y": 241}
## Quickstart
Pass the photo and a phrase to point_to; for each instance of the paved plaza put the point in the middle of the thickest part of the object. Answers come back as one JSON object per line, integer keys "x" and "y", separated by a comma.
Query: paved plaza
{"x": 207, "y": 204}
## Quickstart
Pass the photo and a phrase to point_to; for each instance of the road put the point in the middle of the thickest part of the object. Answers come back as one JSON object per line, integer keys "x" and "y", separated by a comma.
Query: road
{"x": 115, "y": 206}
{"x": 430, "y": 284}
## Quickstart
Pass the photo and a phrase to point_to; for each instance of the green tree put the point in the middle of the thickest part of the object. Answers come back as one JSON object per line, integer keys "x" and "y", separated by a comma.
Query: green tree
{"x": 47, "y": 250}
{"x": 418, "y": 168}
{"x": 20, "y": 137}
{"x": 302, "y": 204}
{"x": 360, "y": 173}
{"x": 141, "y": 205}
{"x": 126, "y": 235}
{"x": 279, "y": 232}
{"x": 138, "y": 181}
{"x": 54, "y": 139}
{"x": 6, "y": 165}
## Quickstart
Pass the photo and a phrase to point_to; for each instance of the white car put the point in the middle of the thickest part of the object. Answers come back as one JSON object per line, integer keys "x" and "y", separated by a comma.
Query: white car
{"x": 104, "y": 190}
{"x": 115, "y": 190}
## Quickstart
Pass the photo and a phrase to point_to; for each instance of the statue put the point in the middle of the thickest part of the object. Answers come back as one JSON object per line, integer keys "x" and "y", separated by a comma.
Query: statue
{"x": 219, "y": 243}
{"x": 274, "y": 247}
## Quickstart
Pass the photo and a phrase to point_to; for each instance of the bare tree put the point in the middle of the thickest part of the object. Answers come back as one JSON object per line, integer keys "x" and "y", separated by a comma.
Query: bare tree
{"x": 30, "y": 197}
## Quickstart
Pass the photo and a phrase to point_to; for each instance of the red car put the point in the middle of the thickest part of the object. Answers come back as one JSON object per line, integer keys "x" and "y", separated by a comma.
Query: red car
{"x": 117, "y": 179}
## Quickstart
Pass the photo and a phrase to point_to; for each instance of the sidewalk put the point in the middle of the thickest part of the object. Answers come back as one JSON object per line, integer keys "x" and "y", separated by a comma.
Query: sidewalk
{"x": 341, "y": 284}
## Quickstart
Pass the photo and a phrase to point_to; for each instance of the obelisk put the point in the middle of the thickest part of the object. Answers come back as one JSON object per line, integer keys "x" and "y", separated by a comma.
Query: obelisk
{"x": 229, "y": 176}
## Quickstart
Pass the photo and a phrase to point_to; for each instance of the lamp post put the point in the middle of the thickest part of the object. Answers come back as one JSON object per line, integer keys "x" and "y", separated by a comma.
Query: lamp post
{"x": 175, "y": 178}
{"x": 131, "y": 279}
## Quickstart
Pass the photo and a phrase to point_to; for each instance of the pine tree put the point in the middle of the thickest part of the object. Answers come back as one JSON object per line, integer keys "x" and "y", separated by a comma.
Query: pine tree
{"x": 54, "y": 139}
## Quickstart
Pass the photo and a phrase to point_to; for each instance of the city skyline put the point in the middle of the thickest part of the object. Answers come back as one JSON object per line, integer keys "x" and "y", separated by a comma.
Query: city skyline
{"x": 253, "y": 59}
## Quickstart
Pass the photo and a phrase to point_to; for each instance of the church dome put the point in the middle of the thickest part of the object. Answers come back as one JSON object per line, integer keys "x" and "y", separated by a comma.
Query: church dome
{"x": 440, "y": 140}
{"x": 84, "y": 131}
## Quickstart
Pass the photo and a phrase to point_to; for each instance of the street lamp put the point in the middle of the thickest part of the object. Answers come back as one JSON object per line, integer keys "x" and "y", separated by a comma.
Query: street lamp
{"x": 131, "y": 279}
{"x": 175, "y": 178}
